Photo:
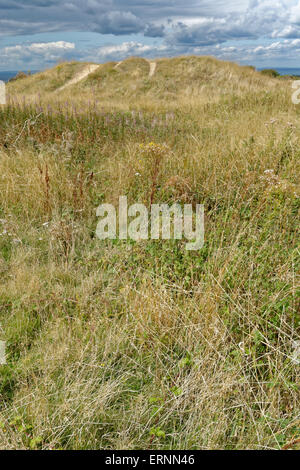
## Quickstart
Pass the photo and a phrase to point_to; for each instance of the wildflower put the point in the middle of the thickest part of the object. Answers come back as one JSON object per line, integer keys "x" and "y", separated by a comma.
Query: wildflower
{"x": 270, "y": 177}
{"x": 272, "y": 121}
{"x": 290, "y": 124}
{"x": 154, "y": 150}
{"x": 274, "y": 182}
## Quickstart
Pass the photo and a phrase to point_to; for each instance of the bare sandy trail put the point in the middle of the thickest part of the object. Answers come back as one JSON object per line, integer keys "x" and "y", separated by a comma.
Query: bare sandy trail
{"x": 91, "y": 68}
{"x": 117, "y": 65}
{"x": 152, "y": 69}
{"x": 80, "y": 76}
{"x": 151, "y": 64}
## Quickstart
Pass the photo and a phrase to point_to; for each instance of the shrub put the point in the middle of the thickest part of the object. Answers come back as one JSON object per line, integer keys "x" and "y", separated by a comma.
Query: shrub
{"x": 270, "y": 73}
{"x": 19, "y": 76}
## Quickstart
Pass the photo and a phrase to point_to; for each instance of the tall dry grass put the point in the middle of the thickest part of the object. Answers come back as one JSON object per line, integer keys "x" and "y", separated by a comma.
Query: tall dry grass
{"x": 123, "y": 345}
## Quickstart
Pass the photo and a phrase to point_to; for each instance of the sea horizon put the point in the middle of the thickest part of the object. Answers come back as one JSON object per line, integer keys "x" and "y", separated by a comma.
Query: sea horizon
{"x": 6, "y": 75}
{"x": 283, "y": 70}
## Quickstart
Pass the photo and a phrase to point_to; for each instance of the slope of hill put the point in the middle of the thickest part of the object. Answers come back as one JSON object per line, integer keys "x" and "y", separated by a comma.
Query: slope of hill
{"x": 183, "y": 76}
{"x": 48, "y": 80}
{"x": 179, "y": 78}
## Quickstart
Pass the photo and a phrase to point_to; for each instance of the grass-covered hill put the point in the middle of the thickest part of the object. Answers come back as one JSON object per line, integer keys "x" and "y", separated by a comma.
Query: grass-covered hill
{"x": 47, "y": 81}
{"x": 170, "y": 80}
{"x": 144, "y": 345}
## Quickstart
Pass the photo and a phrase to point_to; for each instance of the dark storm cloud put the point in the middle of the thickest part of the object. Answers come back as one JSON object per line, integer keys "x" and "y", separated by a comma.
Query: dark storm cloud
{"x": 154, "y": 31}
{"x": 103, "y": 16}
{"x": 208, "y": 33}
{"x": 201, "y": 22}
{"x": 118, "y": 23}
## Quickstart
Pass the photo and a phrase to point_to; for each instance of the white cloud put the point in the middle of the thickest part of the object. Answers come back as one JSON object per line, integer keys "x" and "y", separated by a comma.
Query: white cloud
{"x": 32, "y": 55}
{"x": 39, "y": 48}
{"x": 127, "y": 49}
{"x": 295, "y": 13}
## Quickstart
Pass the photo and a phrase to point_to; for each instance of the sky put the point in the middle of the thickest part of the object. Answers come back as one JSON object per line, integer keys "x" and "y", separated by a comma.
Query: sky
{"x": 36, "y": 34}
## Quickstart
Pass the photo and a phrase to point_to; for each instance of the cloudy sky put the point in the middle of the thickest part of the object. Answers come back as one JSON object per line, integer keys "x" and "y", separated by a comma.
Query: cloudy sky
{"x": 35, "y": 34}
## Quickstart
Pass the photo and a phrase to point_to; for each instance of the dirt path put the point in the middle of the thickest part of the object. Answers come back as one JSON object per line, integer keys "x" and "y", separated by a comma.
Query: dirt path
{"x": 119, "y": 63}
{"x": 152, "y": 69}
{"x": 151, "y": 64}
{"x": 80, "y": 76}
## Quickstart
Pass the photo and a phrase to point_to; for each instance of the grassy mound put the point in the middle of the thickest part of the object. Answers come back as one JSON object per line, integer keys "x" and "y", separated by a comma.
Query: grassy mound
{"x": 48, "y": 80}
{"x": 203, "y": 78}
{"x": 174, "y": 78}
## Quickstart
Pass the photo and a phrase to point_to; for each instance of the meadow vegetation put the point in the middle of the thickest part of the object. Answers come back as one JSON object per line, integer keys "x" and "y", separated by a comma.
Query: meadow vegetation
{"x": 144, "y": 345}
